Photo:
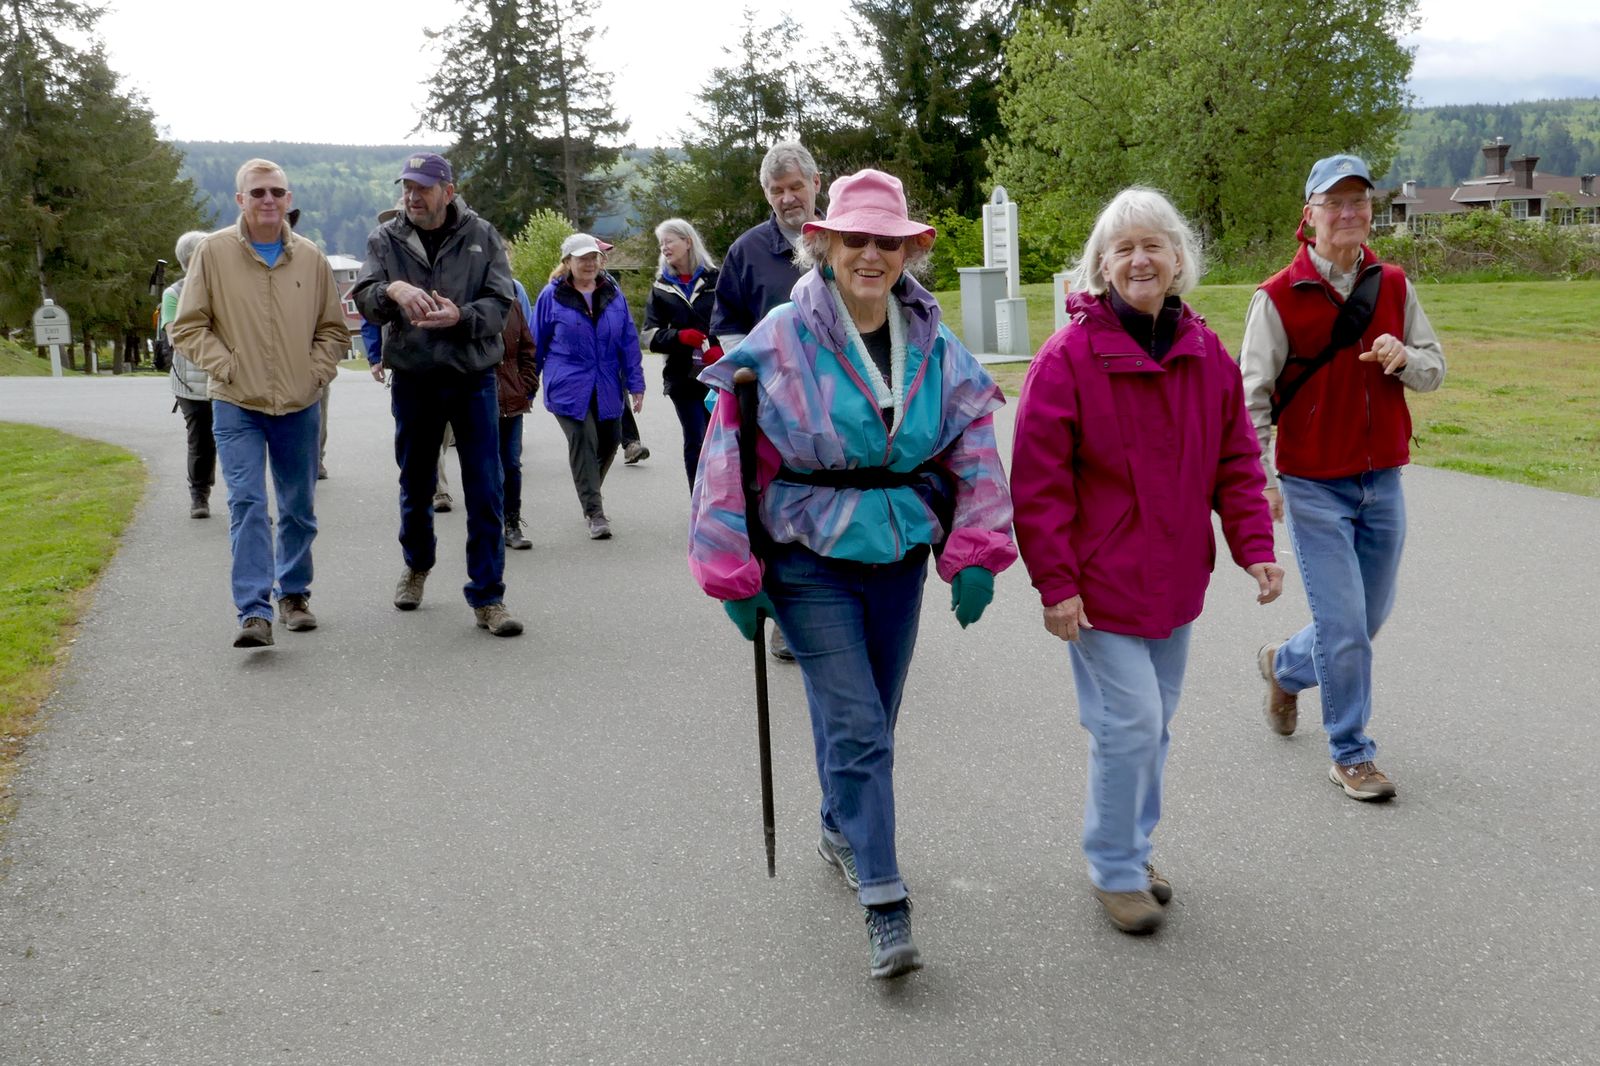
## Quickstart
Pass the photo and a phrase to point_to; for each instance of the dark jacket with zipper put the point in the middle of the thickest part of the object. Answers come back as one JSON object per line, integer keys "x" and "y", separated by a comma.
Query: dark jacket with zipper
{"x": 517, "y": 377}
{"x": 668, "y": 311}
{"x": 470, "y": 269}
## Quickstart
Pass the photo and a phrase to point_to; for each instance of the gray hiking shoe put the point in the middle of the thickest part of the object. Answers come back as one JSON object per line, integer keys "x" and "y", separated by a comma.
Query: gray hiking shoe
{"x": 842, "y": 858}
{"x": 889, "y": 934}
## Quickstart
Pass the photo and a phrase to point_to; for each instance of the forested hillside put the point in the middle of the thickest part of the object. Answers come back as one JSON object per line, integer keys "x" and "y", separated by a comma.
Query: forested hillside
{"x": 338, "y": 188}
{"x": 1442, "y": 145}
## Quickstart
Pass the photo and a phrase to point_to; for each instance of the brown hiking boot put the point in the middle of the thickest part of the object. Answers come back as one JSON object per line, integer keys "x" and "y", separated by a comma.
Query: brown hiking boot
{"x": 1160, "y": 887}
{"x": 1363, "y": 781}
{"x": 253, "y": 633}
{"x": 496, "y": 619}
{"x": 294, "y": 611}
{"x": 408, "y": 593}
{"x": 1283, "y": 708}
{"x": 1132, "y": 912}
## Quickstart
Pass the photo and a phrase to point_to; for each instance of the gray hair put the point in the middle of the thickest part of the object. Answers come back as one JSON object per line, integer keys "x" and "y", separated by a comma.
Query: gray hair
{"x": 698, "y": 256}
{"x": 1139, "y": 207}
{"x": 784, "y": 157}
{"x": 186, "y": 245}
{"x": 814, "y": 248}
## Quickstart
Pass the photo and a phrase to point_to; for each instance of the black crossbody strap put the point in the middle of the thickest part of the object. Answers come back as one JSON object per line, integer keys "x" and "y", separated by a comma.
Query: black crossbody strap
{"x": 1354, "y": 316}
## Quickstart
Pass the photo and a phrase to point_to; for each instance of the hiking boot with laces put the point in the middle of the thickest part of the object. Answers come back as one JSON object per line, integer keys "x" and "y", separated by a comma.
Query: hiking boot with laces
{"x": 635, "y": 452}
{"x": 1283, "y": 708}
{"x": 1160, "y": 887}
{"x": 889, "y": 933}
{"x": 1132, "y": 912}
{"x": 843, "y": 858}
{"x": 514, "y": 538}
{"x": 496, "y": 619}
{"x": 408, "y": 593}
{"x": 599, "y": 527}
{"x": 294, "y": 611}
{"x": 253, "y": 633}
{"x": 1363, "y": 781}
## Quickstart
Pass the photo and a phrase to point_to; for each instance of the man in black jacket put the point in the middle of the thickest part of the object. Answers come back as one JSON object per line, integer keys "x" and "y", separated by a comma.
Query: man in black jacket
{"x": 438, "y": 282}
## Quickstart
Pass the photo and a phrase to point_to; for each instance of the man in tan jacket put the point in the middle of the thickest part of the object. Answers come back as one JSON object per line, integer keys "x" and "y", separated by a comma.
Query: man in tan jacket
{"x": 260, "y": 314}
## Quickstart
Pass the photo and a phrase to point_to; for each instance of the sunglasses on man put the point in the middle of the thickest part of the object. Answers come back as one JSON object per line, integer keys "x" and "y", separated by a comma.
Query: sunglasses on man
{"x": 861, "y": 240}
{"x": 277, "y": 191}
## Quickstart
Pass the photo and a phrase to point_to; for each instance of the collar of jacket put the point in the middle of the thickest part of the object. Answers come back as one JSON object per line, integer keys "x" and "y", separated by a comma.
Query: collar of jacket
{"x": 1110, "y": 338}
{"x": 285, "y": 234}
{"x": 1303, "y": 270}
{"x": 666, "y": 284}
{"x": 776, "y": 241}
{"x": 456, "y": 215}
{"x": 605, "y": 290}
{"x": 821, "y": 316}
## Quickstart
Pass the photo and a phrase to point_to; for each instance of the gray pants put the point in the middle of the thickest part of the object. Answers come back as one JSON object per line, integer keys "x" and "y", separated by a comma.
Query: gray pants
{"x": 591, "y": 445}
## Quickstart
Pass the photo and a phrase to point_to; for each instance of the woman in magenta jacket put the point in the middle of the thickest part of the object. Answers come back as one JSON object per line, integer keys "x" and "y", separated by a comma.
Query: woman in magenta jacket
{"x": 1130, "y": 431}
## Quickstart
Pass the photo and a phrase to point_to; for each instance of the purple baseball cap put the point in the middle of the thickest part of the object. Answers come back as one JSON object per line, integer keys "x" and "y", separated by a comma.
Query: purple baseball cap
{"x": 426, "y": 168}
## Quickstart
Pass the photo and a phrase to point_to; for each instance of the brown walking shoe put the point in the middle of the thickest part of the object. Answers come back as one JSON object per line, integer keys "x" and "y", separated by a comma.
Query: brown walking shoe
{"x": 294, "y": 612}
{"x": 496, "y": 619}
{"x": 408, "y": 593}
{"x": 1363, "y": 781}
{"x": 1160, "y": 887}
{"x": 1132, "y": 912}
{"x": 253, "y": 633}
{"x": 1283, "y": 708}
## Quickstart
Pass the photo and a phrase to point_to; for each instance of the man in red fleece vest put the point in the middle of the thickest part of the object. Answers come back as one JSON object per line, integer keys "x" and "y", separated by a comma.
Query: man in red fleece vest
{"x": 1343, "y": 435}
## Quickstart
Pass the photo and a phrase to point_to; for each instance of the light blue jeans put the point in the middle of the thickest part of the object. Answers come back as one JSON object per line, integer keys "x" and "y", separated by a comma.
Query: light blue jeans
{"x": 1128, "y": 690}
{"x": 1348, "y": 534}
{"x": 852, "y": 628}
{"x": 246, "y": 442}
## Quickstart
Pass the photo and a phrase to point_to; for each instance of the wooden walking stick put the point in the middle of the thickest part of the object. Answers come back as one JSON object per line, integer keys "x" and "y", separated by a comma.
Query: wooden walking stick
{"x": 744, "y": 389}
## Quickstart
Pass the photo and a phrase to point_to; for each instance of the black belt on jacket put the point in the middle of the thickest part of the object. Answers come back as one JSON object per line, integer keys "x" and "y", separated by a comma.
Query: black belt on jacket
{"x": 932, "y": 482}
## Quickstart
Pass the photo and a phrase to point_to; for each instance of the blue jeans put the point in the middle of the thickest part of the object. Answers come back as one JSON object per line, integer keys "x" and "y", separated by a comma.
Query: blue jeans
{"x": 1128, "y": 690}
{"x": 246, "y": 442}
{"x": 853, "y": 627}
{"x": 511, "y": 463}
{"x": 424, "y": 402}
{"x": 1348, "y": 534}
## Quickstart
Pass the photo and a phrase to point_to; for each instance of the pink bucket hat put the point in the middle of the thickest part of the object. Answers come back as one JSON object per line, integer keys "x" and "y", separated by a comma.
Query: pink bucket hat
{"x": 869, "y": 201}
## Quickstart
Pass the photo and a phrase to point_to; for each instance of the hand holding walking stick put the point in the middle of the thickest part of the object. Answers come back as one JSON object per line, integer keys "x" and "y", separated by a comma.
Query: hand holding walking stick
{"x": 744, "y": 388}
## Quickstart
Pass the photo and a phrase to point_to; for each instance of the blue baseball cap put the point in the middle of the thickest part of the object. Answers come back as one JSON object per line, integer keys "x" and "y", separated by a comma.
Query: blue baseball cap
{"x": 1326, "y": 173}
{"x": 426, "y": 168}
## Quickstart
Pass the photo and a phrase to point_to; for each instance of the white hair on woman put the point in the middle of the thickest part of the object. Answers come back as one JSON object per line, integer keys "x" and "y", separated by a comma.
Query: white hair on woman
{"x": 186, "y": 246}
{"x": 698, "y": 256}
{"x": 1137, "y": 208}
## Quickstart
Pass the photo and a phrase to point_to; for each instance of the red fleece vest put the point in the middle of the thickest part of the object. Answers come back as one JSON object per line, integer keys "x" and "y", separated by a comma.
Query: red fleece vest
{"x": 1350, "y": 417}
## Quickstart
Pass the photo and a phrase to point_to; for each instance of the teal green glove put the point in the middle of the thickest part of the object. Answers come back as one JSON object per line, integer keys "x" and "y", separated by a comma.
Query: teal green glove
{"x": 970, "y": 593}
{"x": 746, "y": 613}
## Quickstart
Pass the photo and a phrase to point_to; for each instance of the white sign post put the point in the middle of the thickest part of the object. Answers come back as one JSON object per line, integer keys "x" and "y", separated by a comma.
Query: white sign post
{"x": 51, "y": 329}
{"x": 1000, "y": 250}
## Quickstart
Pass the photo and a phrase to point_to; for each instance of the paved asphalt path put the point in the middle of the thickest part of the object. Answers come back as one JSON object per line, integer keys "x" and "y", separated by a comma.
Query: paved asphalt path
{"x": 397, "y": 840}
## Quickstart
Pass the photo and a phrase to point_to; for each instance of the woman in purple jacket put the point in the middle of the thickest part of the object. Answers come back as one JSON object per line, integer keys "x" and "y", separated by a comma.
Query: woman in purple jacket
{"x": 584, "y": 341}
{"x": 1130, "y": 431}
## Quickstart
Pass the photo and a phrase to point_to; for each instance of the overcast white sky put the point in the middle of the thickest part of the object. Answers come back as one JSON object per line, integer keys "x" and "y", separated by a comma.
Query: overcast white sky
{"x": 351, "y": 71}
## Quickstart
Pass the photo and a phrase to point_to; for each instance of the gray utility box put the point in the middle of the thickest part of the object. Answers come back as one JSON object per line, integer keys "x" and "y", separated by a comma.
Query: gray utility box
{"x": 1011, "y": 328}
{"x": 980, "y": 288}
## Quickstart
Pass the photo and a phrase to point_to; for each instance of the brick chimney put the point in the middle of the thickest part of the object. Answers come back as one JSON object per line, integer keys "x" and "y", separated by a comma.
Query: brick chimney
{"x": 1494, "y": 156}
{"x": 1409, "y": 190}
{"x": 1586, "y": 184}
{"x": 1522, "y": 171}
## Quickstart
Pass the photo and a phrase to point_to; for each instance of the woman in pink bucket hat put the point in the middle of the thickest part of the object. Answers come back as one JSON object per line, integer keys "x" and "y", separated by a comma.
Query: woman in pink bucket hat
{"x": 875, "y": 444}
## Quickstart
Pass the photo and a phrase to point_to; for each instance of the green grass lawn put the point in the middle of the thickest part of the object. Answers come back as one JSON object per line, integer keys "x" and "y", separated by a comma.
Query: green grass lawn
{"x": 19, "y": 361}
{"x": 63, "y": 504}
{"x": 1521, "y": 398}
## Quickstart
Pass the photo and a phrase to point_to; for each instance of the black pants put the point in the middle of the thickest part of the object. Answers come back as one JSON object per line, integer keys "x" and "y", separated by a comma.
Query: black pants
{"x": 202, "y": 446}
{"x": 591, "y": 445}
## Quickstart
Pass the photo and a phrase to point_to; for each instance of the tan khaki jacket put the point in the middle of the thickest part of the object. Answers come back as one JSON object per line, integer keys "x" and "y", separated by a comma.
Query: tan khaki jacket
{"x": 269, "y": 339}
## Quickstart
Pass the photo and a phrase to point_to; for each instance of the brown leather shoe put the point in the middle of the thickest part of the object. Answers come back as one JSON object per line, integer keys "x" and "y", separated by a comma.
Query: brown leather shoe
{"x": 253, "y": 632}
{"x": 1160, "y": 887}
{"x": 1132, "y": 912}
{"x": 408, "y": 593}
{"x": 294, "y": 612}
{"x": 1363, "y": 781}
{"x": 496, "y": 619}
{"x": 1283, "y": 708}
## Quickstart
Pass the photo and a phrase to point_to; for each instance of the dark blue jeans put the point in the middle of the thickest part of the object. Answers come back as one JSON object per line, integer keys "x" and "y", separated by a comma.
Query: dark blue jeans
{"x": 424, "y": 402}
{"x": 853, "y": 627}
{"x": 689, "y": 400}
{"x": 511, "y": 463}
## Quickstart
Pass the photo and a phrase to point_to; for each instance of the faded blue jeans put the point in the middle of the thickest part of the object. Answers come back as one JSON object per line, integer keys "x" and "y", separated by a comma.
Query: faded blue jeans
{"x": 247, "y": 441}
{"x": 852, "y": 628}
{"x": 1348, "y": 534}
{"x": 1128, "y": 690}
